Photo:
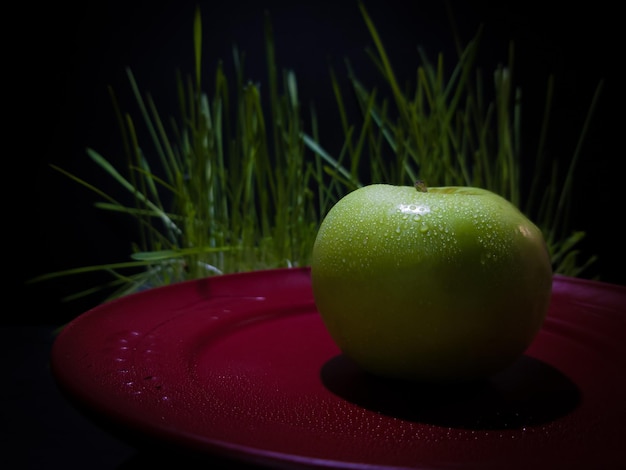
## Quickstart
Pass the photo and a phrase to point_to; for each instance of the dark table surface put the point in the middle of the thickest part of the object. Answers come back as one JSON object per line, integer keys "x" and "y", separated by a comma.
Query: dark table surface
{"x": 41, "y": 429}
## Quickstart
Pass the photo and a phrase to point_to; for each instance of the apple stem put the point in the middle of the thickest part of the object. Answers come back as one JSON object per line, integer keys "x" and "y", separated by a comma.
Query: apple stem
{"x": 421, "y": 186}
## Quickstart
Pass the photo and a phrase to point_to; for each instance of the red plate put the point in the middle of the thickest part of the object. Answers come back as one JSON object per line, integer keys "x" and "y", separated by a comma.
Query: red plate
{"x": 242, "y": 366}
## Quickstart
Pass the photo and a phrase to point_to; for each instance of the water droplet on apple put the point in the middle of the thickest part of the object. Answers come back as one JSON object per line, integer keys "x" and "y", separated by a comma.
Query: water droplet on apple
{"x": 398, "y": 229}
{"x": 424, "y": 228}
{"x": 486, "y": 257}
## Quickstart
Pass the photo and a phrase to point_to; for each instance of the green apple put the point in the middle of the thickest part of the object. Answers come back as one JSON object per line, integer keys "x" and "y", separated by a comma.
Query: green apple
{"x": 438, "y": 284}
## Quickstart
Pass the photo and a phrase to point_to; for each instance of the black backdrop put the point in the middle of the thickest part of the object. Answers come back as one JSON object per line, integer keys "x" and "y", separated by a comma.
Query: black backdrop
{"x": 61, "y": 58}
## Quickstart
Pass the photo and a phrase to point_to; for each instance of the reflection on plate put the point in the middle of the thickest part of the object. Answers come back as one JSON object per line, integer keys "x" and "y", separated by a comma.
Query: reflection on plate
{"x": 241, "y": 366}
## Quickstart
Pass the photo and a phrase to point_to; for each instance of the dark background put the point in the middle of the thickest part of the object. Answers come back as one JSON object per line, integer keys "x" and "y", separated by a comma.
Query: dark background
{"x": 61, "y": 58}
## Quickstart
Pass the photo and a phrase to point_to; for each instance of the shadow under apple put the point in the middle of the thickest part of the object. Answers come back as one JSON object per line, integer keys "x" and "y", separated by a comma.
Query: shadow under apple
{"x": 528, "y": 393}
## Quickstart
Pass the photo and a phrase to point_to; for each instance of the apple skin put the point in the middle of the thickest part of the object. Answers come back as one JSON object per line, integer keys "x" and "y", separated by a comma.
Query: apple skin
{"x": 447, "y": 285}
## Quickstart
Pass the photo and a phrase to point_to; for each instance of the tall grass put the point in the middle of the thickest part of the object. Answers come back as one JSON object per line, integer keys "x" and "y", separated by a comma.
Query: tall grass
{"x": 235, "y": 185}
{"x": 442, "y": 129}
